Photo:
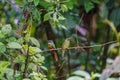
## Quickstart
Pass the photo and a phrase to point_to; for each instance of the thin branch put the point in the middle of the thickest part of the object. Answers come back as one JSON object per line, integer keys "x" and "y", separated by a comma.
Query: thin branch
{"x": 76, "y": 47}
{"x": 80, "y": 47}
{"x": 26, "y": 63}
{"x": 69, "y": 65}
{"x": 61, "y": 67}
{"x": 14, "y": 73}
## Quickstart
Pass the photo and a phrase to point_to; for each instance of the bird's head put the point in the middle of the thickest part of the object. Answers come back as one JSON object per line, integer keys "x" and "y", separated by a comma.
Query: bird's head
{"x": 69, "y": 38}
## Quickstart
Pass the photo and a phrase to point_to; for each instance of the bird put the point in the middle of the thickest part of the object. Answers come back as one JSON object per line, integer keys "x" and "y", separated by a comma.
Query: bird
{"x": 65, "y": 45}
{"x": 51, "y": 46}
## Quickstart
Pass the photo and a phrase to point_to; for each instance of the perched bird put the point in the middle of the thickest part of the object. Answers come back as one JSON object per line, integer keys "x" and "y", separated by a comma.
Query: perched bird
{"x": 65, "y": 45}
{"x": 51, "y": 46}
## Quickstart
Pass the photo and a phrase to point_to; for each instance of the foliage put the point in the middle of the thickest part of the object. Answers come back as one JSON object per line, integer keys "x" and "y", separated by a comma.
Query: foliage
{"x": 14, "y": 50}
{"x": 82, "y": 75}
{"x": 28, "y": 26}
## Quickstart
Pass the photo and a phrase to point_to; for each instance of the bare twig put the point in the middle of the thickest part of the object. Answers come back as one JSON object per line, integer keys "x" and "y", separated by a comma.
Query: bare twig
{"x": 79, "y": 47}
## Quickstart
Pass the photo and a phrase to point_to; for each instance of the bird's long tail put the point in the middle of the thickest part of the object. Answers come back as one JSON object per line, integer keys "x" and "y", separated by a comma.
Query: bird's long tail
{"x": 63, "y": 53}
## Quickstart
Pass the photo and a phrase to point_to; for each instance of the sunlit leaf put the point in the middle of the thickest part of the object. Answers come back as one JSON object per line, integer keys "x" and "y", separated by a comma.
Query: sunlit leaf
{"x": 9, "y": 73}
{"x": 2, "y": 36}
{"x": 26, "y": 79}
{"x": 20, "y": 59}
{"x": 62, "y": 26}
{"x": 61, "y": 18}
{"x": 19, "y": 2}
{"x": 14, "y": 45}
{"x": 44, "y": 68}
{"x": 75, "y": 78}
{"x": 70, "y": 4}
{"x": 11, "y": 39}
{"x": 2, "y": 47}
{"x": 47, "y": 16}
{"x": 112, "y": 47}
{"x": 37, "y": 50}
{"x": 64, "y": 8}
{"x": 55, "y": 17}
{"x": 30, "y": 0}
{"x": 6, "y": 29}
{"x": 112, "y": 79}
{"x": 35, "y": 41}
{"x": 48, "y": 0}
{"x": 82, "y": 73}
{"x": 3, "y": 64}
{"x": 36, "y": 2}
{"x": 96, "y": 75}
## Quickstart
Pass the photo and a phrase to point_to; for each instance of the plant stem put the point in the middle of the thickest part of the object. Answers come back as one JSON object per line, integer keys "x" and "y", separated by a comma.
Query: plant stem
{"x": 14, "y": 78}
{"x": 26, "y": 64}
{"x": 105, "y": 55}
{"x": 69, "y": 66}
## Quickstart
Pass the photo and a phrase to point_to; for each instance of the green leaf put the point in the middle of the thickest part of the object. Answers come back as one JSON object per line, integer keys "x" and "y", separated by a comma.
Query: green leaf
{"x": 47, "y": 16}
{"x": 36, "y": 14}
{"x": 19, "y": 2}
{"x": 3, "y": 65}
{"x": 14, "y": 45}
{"x": 61, "y": 17}
{"x": 88, "y": 5}
{"x": 44, "y": 68}
{"x": 2, "y": 47}
{"x": 96, "y": 75}
{"x": 62, "y": 26}
{"x": 71, "y": 4}
{"x": 30, "y": 0}
{"x": 45, "y": 79}
{"x": 112, "y": 79}
{"x": 64, "y": 8}
{"x": 48, "y": 1}
{"x": 75, "y": 78}
{"x": 1, "y": 25}
{"x": 26, "y": 79}
{"x": 82, "y": 73}
{"x": 6, "y": 29}
{"x": 112, "y": 47}
{"x": 20, "y": 59}
{"x": 11, "y": 39}
{"x": 9, "y": 73}
{"x": 20, "y": 40}
{"x": 55, "y": 17}
{"x": 95, "y": 1}
{"x": 2, "y": 36}
{"x": 45, "y": 4}
{"x": 27, "y": 36}
{"x": 39, "y": 59}
{"x": 33, "y": 74}
{"x": 36, "y": 2}
{"x": 36, "y": 50}
{"x": 34, "y": 41}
